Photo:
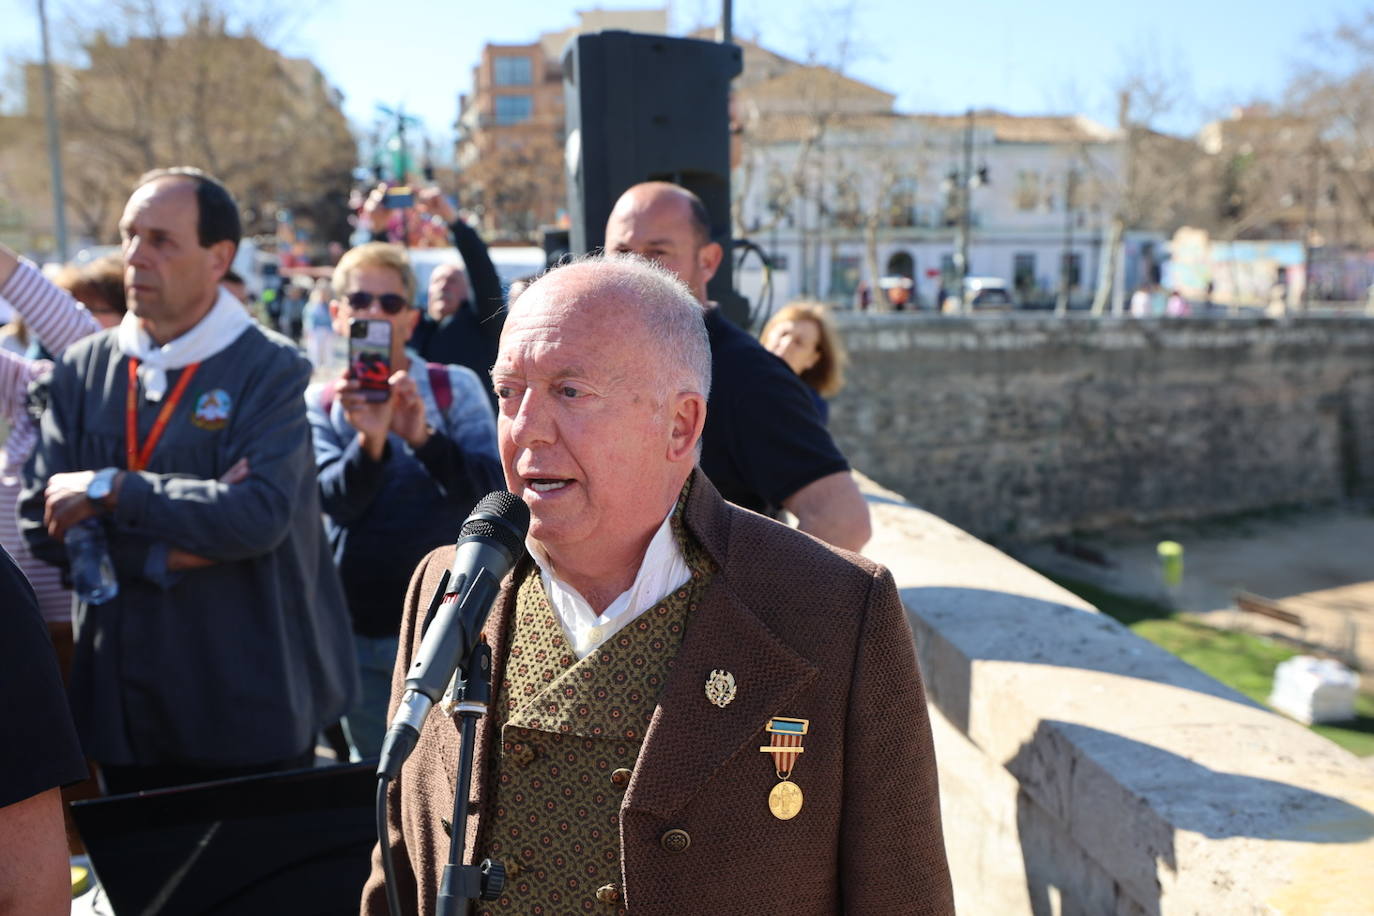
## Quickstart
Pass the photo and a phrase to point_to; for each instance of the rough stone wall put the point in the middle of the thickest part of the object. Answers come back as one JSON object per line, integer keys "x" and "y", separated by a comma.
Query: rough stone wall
{"x": 1023, "y": 426}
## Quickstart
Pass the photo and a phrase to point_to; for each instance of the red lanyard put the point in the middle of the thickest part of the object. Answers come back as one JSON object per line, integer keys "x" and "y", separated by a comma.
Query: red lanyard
{"x": 136, "y": 459}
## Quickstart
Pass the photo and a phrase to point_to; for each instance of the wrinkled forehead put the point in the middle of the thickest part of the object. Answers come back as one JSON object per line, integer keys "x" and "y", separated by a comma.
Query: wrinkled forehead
{"x": 580, "y": 321}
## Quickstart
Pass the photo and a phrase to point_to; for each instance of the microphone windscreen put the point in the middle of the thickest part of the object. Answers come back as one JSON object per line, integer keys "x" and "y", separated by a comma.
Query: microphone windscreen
{"x": 501, "y": 516}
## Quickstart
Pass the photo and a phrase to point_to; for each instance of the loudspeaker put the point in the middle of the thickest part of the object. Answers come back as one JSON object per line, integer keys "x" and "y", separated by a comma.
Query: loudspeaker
{"x": 649, "y": 108}
{"x": 555, "y": 243}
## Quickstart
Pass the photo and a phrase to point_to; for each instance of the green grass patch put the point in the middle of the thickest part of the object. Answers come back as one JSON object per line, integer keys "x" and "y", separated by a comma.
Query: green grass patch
{"x": 1123, "y": 608}
{"x": 1241, "y": 661}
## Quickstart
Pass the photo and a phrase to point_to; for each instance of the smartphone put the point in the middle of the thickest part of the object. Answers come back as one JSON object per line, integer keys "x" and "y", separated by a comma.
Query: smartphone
{"x": 399, "y": 197}
{"x": 369, "y": 356}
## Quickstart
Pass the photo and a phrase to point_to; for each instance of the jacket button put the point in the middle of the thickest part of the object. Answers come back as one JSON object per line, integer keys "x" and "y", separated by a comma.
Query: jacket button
{"x": 522, "y": 755}
{"x": 608, "y": 894}
{"x": 675, "y": 840}
{"x": 621, "y": 777}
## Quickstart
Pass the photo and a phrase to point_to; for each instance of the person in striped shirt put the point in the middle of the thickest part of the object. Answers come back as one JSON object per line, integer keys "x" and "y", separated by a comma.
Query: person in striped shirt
{"x": 84, "y": 299}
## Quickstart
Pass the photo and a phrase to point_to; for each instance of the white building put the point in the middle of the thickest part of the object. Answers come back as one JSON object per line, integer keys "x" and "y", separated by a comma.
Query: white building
{"x": 837, "y": 187}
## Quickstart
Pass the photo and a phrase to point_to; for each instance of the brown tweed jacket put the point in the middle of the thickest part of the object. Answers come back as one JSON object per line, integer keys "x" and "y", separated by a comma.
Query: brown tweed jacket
{"x": 808, "y": 632}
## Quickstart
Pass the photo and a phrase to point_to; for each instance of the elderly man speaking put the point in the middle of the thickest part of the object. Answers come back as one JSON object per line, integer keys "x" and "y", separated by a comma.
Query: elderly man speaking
{"x": 697, "y": 709}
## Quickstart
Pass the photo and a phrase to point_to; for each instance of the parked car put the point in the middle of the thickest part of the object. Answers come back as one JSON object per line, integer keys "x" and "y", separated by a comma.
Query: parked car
{"x": 988, "y": 294}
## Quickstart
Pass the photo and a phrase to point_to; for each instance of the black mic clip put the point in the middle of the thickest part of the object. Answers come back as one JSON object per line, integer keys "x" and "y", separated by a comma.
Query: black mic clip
{"x": 462, "y": 647}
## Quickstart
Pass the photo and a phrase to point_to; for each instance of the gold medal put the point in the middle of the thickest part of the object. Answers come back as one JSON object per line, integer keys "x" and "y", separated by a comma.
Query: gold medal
{"x": 785, "y": 746}
{"x": 785, "y": 800}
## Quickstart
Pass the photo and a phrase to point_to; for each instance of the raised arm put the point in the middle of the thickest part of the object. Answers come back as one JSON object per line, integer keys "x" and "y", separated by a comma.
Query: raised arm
{"x": 487, "y": 298}
{"x": 52, "y": 314}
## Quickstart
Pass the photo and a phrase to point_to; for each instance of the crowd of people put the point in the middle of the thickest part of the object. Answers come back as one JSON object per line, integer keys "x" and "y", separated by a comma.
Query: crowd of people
{"x": 274, "y": 545}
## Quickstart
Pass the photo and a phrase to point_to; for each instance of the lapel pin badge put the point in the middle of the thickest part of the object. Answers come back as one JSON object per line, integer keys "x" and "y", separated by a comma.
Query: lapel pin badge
{"x": 720, "y": 687}
{"x": 785, "y": 800}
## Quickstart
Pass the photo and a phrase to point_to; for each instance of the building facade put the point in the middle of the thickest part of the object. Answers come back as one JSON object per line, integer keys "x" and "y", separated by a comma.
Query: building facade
{"x": 847, "y": 195}
{"x": 511, "y": 126}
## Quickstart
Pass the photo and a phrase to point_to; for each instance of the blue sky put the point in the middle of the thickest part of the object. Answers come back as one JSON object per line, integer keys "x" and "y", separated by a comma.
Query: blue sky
{"x": 1027, "y": 58}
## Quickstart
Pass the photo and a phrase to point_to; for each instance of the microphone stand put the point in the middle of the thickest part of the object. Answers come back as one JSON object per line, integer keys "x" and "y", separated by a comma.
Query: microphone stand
{"x": 462, "y": 884}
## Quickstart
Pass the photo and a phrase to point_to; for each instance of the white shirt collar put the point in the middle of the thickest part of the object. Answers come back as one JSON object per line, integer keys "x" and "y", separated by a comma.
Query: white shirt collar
{"x": 663, "y": 570}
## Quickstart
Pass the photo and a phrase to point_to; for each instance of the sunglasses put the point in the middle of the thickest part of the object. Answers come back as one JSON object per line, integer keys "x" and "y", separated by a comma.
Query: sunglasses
{"x": 391, "y": 303}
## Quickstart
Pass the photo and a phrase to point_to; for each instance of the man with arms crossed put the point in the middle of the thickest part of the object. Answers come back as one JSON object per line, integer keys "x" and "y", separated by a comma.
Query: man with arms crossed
{"x": 655, "y": 641}
{"x": 183, "y": 433}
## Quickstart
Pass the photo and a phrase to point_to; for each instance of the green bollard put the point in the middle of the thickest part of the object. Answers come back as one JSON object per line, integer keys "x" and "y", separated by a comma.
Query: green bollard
{"x": 1171, "y": 563}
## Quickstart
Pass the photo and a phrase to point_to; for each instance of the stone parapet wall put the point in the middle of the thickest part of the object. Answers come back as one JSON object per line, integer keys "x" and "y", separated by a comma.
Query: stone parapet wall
{"x": 1086, "y": 771}
{"x": 1023, "y": 426}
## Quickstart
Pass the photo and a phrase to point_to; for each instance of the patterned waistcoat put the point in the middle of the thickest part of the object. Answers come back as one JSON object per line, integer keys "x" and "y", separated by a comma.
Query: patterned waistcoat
{"x": 570, "y": 734}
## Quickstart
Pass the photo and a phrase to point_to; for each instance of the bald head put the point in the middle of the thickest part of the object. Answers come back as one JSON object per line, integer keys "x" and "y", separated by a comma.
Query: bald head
{"x": 448, "y": 290}
{"x": 667, "y": 224}
{"x": 650, "y": 306}
{"x": 602, "y": 378}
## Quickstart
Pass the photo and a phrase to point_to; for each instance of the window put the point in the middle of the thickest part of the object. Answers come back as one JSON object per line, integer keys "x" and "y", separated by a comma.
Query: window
{"x": 844, "y": 276}
{"x": 1073, "y": 192}
{"x": 847, "y": 208}
{"x": 1069, "y": 265}
{"x": 513, "y": 109}
{"x": 1027, "y": 190}
{"x": 902, "y": 211}
{"x": 1023, "y": 273}
{"x": 511, "y": 71}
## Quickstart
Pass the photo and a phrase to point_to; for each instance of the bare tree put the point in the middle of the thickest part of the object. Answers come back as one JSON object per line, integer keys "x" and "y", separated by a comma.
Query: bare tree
{"x": 154, "y": 83}
{"x": 1334, "y": 92}
{"x": 516, "y": 187}
{"x": 1152, "y": 186}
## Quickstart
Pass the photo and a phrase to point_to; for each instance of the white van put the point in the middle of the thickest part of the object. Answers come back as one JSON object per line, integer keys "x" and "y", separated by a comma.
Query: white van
{"x": 511, "y": 264}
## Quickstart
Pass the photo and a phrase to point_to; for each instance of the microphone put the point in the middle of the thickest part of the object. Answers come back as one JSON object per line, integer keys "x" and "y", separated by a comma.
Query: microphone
{"x": 491, "y": 542}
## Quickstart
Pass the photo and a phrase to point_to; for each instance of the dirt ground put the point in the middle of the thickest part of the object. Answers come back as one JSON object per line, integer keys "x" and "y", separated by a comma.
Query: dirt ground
{"x": 1318, "y": 564}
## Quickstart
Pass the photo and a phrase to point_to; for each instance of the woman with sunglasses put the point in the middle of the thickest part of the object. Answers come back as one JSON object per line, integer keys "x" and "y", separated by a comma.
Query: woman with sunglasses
{"x": 398, "y": 475}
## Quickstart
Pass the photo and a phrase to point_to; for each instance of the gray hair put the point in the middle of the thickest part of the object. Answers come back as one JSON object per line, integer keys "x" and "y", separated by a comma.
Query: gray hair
{"x": 671, "y": 314}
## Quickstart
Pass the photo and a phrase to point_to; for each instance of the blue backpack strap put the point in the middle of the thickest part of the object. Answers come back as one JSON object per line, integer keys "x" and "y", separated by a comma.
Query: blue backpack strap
{"x": 441, "y": 385}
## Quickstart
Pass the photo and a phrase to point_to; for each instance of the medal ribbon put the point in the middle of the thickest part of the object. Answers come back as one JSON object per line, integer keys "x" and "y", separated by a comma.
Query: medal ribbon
{"x": 136, "y": 459}
{"x": 784, "y": 760}
{"x": 785, "y": 743}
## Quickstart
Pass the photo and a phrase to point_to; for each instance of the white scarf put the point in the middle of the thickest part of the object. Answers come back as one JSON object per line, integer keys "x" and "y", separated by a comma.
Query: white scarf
{"x": 226, "y": 320}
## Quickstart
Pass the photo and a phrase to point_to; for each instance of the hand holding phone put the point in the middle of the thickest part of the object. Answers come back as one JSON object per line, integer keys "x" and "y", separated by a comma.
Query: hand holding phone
{"x": 399, "y": 198}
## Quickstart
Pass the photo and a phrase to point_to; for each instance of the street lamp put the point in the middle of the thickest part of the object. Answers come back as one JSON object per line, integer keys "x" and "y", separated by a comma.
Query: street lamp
{"x": 54, "y": 144}
{"x": 1066, "y": 271}
{"x": 964, "y": 182}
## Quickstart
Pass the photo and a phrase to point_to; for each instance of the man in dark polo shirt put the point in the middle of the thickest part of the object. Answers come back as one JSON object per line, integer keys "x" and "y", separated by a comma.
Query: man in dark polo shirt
{"x": 765, "y": 447}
